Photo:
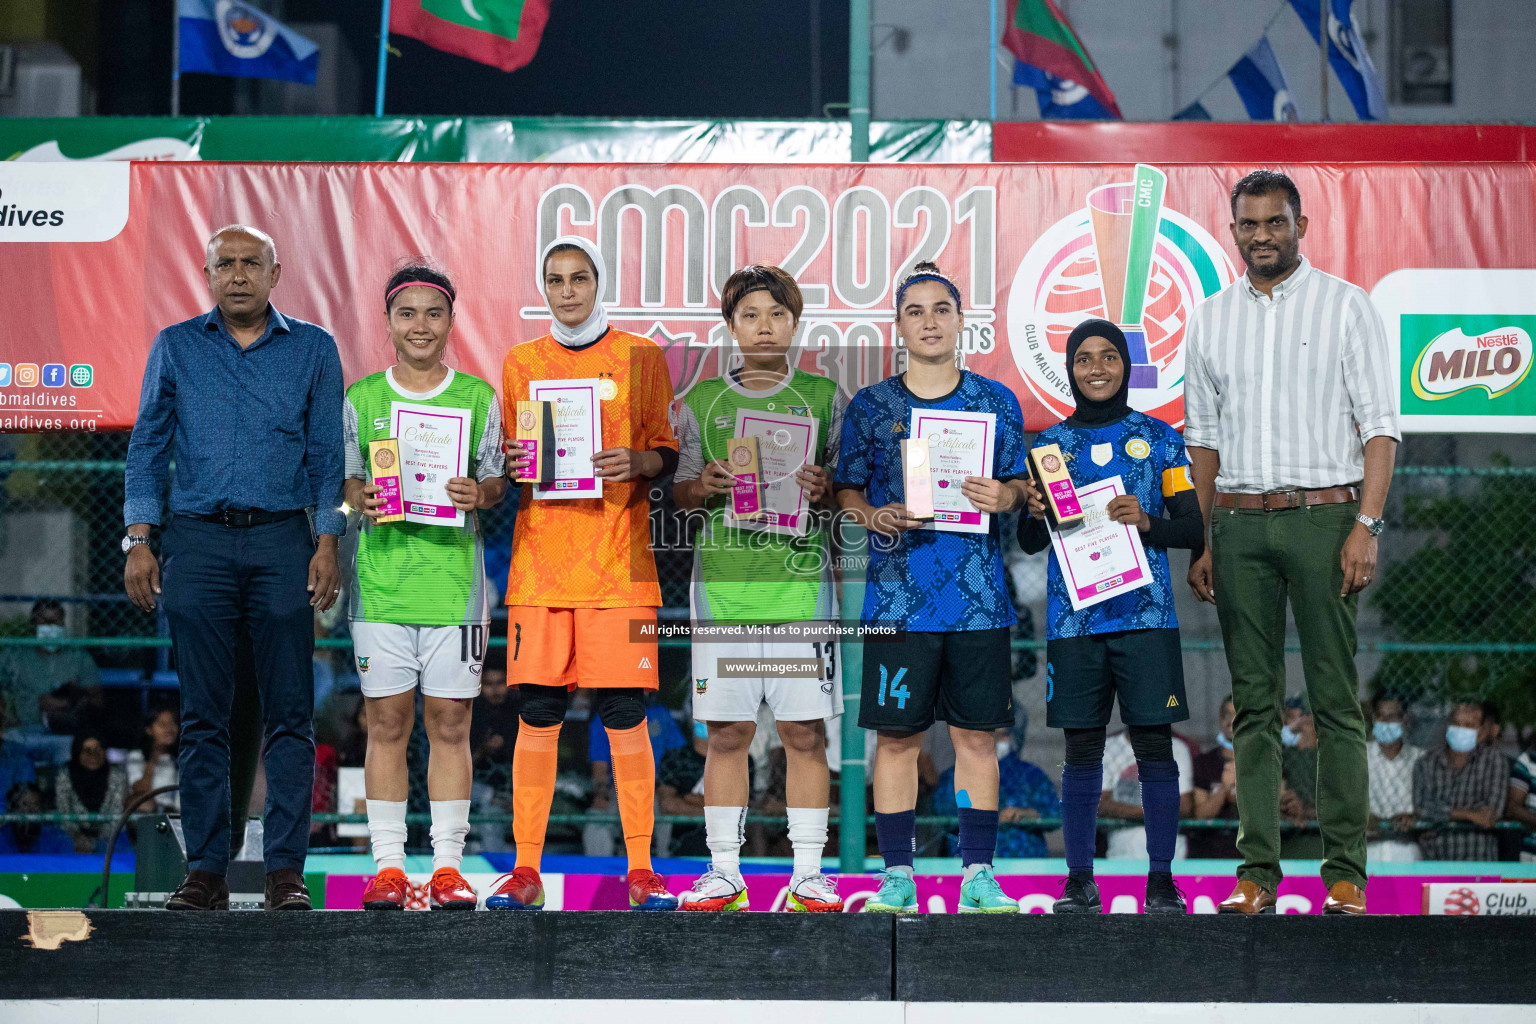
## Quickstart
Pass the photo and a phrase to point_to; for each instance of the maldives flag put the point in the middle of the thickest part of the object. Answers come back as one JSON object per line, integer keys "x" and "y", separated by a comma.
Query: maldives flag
{"x": 502, "y": 33}
{"x": 1040, "y": 35}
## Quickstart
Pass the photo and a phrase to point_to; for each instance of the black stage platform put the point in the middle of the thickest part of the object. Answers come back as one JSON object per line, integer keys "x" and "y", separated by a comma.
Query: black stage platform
{"x": 589, "y": 955}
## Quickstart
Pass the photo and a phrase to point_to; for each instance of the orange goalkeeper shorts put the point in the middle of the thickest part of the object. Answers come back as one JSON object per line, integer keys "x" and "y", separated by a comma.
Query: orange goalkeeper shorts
{"x": 591, "y": 647}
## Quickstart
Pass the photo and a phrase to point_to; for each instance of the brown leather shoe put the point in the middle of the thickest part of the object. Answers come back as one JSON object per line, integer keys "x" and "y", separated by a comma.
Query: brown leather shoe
{"x": 1344, "y": 898}
{"x": 1248, "y": 898}
{"x": 200, "y": 890}
{"x": 285, "y": 890}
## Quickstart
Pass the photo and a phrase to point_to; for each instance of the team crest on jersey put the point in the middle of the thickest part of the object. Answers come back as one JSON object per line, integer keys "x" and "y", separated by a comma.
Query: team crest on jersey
{"x": 1101, "y": 454}
{"x": 606, "y": 388}
{"x": 1137, "y": 448}
{"x": 701, "y": 686}
{"x": 362, "y": 664}
{"x": 799, "y": 410}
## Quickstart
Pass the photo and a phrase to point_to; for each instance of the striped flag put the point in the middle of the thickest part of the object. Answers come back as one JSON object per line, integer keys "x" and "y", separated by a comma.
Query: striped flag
{"x": 502, "y": 33}
{"x": 1040, "y": 36}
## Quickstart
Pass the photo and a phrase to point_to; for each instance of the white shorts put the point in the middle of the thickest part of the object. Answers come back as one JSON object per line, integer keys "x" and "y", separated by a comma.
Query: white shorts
{"x": 392, "y": 658}
{"x": 803, "y": 699}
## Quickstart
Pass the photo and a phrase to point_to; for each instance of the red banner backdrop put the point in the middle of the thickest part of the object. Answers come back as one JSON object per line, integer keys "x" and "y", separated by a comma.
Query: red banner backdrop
{"x": 1027, "y": 243}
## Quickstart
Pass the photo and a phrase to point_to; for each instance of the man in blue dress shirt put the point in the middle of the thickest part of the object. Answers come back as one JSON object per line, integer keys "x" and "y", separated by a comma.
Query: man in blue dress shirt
{"x": 247, "y": 402}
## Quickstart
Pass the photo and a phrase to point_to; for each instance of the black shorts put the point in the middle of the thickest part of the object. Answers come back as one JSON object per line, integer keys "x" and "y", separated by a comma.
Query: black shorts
{"x": 1145, "y": 667}
{"x": 961, "y": 678}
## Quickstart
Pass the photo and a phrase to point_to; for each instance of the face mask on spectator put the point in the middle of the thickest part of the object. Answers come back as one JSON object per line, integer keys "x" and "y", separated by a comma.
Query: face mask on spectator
{"x": 1461, "y": 739}
{"x": 50, "y": 631}
{"x": 1387, "y": 733}
{"x": 1226, "y": 744}
{"x": 1004, "y": 748}
{"x": 1288, "y": 736}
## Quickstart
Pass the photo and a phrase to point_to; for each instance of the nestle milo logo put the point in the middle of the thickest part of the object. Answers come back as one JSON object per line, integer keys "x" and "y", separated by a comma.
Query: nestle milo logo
{"x": 1454, "y": 361}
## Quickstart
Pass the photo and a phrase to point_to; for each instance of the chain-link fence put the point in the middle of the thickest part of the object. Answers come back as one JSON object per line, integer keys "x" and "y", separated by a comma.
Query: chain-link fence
{"x": 1452, "y": 614}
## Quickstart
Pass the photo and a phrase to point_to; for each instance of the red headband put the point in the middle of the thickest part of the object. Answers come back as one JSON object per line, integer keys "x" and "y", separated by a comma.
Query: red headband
{"x": 417, "y": 284}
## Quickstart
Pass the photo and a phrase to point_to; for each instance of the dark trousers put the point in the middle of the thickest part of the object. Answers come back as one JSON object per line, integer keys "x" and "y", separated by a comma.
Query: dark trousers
{"x": 218, "y": 581}
{"x": 1259, "y": 561}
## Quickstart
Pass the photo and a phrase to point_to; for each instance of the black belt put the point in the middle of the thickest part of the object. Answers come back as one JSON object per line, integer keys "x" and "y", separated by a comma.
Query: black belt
{"x": 242, "y": 518}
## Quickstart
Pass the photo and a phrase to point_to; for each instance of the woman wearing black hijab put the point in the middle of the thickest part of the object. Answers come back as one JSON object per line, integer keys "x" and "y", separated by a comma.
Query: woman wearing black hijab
{"x": 1128, "y": 645}
{"x": 89, "y": 786}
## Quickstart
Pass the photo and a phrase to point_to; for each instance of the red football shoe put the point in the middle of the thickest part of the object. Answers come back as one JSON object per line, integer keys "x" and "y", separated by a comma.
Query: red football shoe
{"x": 648, "y": 891}
{"x": 448, "y": 891}
{"x": 387, "y": 890}
{"x": 521, "y": 890}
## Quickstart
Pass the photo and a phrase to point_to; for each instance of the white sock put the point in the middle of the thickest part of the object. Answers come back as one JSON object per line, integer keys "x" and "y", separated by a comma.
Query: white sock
{"x": 724, "y": 832}
{"x": 450, "y": 824}
{"x": 808, "y": 836}
{"x": 386, "y": 828}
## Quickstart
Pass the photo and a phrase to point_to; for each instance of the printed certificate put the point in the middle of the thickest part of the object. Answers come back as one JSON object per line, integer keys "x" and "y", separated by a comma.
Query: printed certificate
{"x": 434, "y": 448}
{"x": 959, "y": 445}
{"x": 786, "y": 444}
{"x": 1100, "y": 558}
{"x": 578, "y": 437}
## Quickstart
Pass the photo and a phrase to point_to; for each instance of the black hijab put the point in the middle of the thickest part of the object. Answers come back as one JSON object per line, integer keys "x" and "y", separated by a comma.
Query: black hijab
{"x": 89, "y": 785}
{"x": 1102, "y": 413}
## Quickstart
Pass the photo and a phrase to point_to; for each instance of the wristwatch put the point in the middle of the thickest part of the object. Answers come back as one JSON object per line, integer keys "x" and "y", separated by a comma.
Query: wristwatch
{"x": 1372, "y": 526}
{"x": 130, "y": 542}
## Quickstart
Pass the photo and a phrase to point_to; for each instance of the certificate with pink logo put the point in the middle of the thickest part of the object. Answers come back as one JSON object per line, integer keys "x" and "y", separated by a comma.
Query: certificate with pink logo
{"x": 1100, "y": 558}
{"x": 786, "y": 444}
{"x": 959, "y": 445}
{"x": 434, "y": 448}
{"x": 578, "y": 437}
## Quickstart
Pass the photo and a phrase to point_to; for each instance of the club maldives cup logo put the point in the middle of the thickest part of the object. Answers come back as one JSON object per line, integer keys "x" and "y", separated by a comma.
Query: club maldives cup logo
{"x": 1126, "y": 258}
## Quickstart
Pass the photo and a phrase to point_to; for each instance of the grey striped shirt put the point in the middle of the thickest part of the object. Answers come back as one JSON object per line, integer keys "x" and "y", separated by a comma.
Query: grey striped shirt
{"x": 1288, "y": 388}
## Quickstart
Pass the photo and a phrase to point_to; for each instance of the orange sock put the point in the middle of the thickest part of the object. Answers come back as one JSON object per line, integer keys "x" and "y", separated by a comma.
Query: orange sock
{"x": 634, "y": 783}
{"x": 534, "y": 757}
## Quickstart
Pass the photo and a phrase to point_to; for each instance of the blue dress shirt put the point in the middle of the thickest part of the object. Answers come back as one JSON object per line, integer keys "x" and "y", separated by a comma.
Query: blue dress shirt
{"x": 252, "y": 428}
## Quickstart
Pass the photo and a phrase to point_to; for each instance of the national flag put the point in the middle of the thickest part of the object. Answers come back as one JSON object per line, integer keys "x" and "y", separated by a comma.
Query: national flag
{"x": 1040, "y": 36}
{"x": 1347, "y": 55}
{"x": 1260, "y": 84}
{"x": 1059, "y": 98}
{"x": 502, "y": 33}
{"x": 224, "y": 37}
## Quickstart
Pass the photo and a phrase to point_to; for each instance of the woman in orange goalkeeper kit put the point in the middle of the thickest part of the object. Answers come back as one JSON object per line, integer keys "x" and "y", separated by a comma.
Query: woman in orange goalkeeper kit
{"x": 583, "y": 585}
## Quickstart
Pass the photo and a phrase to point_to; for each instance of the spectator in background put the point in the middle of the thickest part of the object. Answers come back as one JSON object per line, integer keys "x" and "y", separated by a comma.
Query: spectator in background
{"x": 44, "y": 684}
{"x": 1024, "y": 793}
{"x": 1389, "y": 763}
{"x": 154, "y": 764}
{"x": 493, "y": 720}
{"x": 89, "y": 786}
{"x": 1462, "y": 781}
{"x": 1215, "y": 791}
{"x": 492, "y": 734}
{"x": 32, "y": 837}
{"x": 15, "y": 769}
{"x": 1521, "y": 803}
{"x": 1493, "y": 725}
{"x": 1122, "y": 796}
{"x": 598, "y": 840}
{"x": 1298, "y": 776}
{"x": 680, "y": 790}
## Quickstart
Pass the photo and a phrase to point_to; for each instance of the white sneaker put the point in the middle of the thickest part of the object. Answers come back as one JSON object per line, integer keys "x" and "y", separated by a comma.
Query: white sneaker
{"x": 715, "y": 891}
{"x": 814, "y": 894}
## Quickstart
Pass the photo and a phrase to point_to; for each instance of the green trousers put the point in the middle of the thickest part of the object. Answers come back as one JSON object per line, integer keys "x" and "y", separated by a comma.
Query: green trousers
{"x": 1259, "y": 559}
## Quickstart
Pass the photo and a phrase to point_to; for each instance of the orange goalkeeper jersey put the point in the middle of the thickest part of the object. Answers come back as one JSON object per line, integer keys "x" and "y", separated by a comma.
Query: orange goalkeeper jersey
{"x": 591, "y": 552}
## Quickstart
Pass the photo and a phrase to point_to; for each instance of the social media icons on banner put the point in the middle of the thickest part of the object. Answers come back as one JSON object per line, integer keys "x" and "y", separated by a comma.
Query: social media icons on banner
{"x": 48, "y": 375}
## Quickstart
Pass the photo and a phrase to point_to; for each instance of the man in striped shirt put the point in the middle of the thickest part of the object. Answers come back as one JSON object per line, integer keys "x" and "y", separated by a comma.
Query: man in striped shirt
{"x": 1292, "y": 428}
